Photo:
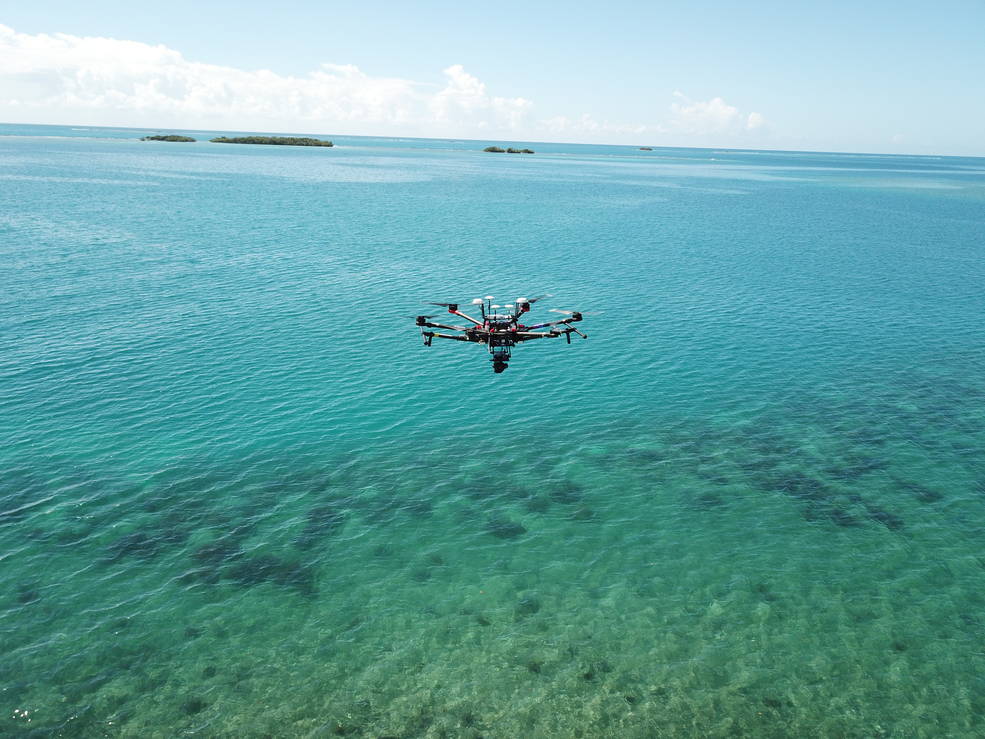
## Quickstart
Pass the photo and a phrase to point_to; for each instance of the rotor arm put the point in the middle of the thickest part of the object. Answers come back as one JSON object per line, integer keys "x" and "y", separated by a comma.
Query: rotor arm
{"x": 428, "y": 324}
{"x": 529, "y": 335}
{"x": 432, "y": 334}
{"x": 453, "y": 309}
{"x": 563, "y": 321}
{"x": 466, "y": 317}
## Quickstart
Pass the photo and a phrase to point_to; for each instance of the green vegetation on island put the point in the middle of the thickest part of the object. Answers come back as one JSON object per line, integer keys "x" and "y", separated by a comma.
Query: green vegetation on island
{"x": 169, "y": 137}
{"x": 511, "y": 150}
{"x": 271, "y": 140}
{"x": 646, "y": 148}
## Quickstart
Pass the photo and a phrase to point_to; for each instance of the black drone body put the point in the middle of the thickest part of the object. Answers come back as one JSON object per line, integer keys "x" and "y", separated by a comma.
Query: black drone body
{"x": 499, "y": 327}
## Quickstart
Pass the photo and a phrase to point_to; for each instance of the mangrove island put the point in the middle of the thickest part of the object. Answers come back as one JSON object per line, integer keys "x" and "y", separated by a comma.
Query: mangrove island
{"x": 511, "y": 150}
{"x": 169, "y": 137}
{"x": 272, "y": 140}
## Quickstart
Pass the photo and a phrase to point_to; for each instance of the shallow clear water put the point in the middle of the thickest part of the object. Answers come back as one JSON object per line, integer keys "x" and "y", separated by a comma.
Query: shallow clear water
{"x": 240, "y": 498}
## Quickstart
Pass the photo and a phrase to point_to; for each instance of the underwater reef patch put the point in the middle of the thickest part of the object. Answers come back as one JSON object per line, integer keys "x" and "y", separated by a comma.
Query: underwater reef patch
{"x": 266, "y": 568}
{"x": 890, "y": 520}
{"x": 566, "y": 491}
{"x": 504, "y": 528}
{"x": 322, "y": 521}
{"x": 144, "y": 544}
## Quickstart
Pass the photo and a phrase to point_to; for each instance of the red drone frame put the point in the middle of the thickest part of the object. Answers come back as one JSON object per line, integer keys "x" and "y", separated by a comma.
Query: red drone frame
{"x": 500, "y": 331}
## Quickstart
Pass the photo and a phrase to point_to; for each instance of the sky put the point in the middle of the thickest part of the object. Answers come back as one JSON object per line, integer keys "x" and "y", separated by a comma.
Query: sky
{"x": 874, "y": 76}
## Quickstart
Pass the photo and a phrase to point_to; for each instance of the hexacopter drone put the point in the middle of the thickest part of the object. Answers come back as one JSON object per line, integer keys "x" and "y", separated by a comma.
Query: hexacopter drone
{"x": 500, "y": 328}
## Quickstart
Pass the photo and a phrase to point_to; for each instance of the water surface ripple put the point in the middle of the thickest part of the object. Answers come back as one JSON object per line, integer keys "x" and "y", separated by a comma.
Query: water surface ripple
{"x": 239, "y": 498}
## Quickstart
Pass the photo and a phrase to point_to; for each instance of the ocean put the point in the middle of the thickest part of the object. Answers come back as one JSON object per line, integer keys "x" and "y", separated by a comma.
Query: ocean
{"x": 239, "y": 497}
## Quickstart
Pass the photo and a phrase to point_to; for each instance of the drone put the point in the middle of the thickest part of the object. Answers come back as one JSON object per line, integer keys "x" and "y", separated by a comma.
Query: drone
{"x": 500, "y": 328}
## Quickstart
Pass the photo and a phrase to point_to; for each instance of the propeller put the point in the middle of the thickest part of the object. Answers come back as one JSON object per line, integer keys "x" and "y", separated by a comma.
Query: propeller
{"x": 531, "y": 301}
{"x": 443, "y": 305}
{"x": 433, "y": 315}
{"x": 572, "y": 312}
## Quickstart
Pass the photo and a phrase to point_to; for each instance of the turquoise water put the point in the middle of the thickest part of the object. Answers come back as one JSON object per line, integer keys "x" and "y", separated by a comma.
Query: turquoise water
{"x": 240, "y": 498}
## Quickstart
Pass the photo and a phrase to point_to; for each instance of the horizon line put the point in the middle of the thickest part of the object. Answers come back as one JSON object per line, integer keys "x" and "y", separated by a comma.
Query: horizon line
{"x": 497, "y": 141}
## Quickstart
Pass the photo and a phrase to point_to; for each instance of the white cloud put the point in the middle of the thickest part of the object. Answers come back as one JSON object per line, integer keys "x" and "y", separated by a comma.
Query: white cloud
{"x": 754, "y": 121}
{"x": 464, "y": 98}
{"x": 713, "y": 116}
{"x": 61, "y": 78}
{"x": 586, "y": 124}
{"x": 109, "y": 81}
{"x": 691, "y": 123}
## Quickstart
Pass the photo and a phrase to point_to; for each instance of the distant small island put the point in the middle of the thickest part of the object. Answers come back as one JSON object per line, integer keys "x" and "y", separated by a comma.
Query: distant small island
{"x": 511, "y": 150}
{"x": 271, "y": 140}
{"x": 646, "y": 148}
{"x": 169, "y": 137}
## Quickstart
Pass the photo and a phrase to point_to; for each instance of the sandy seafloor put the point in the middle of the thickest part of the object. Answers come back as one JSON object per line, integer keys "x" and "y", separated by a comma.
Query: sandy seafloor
{"x": 239, "y": 498}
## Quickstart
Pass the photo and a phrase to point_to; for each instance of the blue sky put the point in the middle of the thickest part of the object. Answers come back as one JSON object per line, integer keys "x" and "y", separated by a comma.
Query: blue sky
{"x": 836, "y": 76}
